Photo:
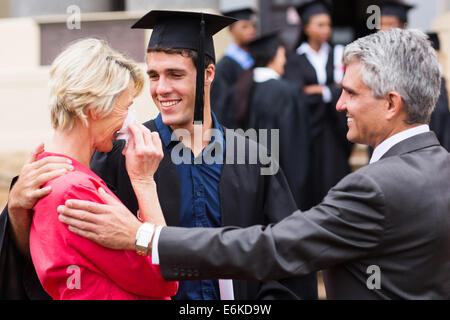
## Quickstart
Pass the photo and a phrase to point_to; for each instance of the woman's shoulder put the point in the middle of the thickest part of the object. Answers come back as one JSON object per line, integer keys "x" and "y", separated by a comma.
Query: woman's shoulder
{"x": 74, "y": 184}
{"x": 75, "y": 180}
{"x": 79, "y": 176}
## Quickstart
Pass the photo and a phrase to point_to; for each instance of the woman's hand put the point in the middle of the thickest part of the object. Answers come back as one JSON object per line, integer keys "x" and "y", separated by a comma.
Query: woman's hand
{"x": 143, "y": 154}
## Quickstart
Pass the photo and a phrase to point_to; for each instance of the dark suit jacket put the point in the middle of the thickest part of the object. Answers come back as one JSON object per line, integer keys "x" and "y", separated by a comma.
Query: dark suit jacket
{"x": 393, "y": 214}
{"x": 246, "y": 198}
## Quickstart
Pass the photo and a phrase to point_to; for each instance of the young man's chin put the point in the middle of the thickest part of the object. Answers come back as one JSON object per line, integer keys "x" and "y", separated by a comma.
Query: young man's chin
{"x": 172, "y": 120}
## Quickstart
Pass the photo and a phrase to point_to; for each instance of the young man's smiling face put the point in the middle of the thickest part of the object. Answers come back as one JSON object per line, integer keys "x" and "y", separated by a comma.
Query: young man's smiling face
{"x": 172, "y": 86}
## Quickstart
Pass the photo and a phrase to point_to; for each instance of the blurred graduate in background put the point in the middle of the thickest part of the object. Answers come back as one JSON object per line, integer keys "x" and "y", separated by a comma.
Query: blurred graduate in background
{"x": 235, "y": 61}
{"x": 263, "y": 100}
{"x": 394, "y": 15}
{"x": 440, "y": 118}
{"x": 316, "y": 68}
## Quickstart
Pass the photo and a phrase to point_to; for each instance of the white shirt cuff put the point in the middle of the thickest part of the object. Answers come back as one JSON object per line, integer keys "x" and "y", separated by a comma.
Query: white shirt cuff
{"x": 226, "y": 289}
{"x": 326, "y": 94}
{"x": 155, "y": 253}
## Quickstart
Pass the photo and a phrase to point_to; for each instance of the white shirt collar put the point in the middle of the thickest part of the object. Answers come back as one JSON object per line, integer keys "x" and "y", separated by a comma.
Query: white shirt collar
{"x": 306, "y": 48}
{"x": 264, "y": 74}
{"x": 239, "y": 55}
{"x": 387, "y": 144}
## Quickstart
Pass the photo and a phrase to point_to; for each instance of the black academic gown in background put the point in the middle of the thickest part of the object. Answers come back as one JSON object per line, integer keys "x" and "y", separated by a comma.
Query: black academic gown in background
{"x": 440, "y": 118}
{"x": 278, "y": 104}
{"x": 329, "y": 148}
{"x": 246, "y": 198}
{"x": 227, "y": 73}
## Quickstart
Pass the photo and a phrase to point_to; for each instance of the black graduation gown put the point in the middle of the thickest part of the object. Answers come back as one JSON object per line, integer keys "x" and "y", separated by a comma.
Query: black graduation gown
{"x": 440, "y": 118}
{"x": 278, "y": 104}
{"x": 329, "y": 148}
{"x": 18, "y": 278}
{"x": 228, "y": 72}
{"x": 246, "y": 198}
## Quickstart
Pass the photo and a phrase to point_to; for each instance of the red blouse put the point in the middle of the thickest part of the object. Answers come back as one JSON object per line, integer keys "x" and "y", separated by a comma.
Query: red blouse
{"x": 72, "y": 267}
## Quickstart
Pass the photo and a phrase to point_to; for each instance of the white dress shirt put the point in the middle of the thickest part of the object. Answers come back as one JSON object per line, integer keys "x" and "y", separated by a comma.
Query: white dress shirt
{"x": 384, "y": 146}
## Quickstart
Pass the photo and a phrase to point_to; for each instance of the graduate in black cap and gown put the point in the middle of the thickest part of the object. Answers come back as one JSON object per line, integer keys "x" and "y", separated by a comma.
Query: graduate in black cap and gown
{"x": 394, "y": 15}
{"x": 316, "y": 68}
{"x": 199, "y": 193}
{"x": 234, "y": 62}
{"x": 264, "y": 100}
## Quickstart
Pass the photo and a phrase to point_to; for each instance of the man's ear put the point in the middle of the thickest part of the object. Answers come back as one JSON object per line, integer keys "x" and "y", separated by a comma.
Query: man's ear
{"x": 210, "y": 73}
{"x": 394, "y": 104}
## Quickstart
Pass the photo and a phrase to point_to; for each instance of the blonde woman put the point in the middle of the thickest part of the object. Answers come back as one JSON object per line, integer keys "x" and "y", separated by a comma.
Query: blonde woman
{"x": 91, "y": 89}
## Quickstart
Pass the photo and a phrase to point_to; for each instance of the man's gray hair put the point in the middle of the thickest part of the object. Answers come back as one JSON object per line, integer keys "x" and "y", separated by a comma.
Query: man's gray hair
{"x": 402, "y": 61}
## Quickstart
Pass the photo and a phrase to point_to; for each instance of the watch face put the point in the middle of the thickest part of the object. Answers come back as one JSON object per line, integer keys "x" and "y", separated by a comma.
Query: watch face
{"x": 143, "y": 238}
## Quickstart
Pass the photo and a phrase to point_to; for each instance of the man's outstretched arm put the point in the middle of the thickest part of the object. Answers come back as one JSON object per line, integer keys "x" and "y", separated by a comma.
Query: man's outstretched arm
{"x": 347, "y": 225}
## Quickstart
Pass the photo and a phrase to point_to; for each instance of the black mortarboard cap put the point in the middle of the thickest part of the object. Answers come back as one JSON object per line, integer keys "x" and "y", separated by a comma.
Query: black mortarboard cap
{"x": 398, "y": 9}
{"x": 240, "y": 14}
{"x": 265, "y": 45}
{"x": 309, "y": 9}
{"x": 434, "y": 39}
{"x": 186, "y": 30}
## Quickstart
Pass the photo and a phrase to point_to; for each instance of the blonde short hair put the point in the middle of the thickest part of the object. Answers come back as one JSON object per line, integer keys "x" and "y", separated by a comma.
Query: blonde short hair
{"x": 89, "y": 75}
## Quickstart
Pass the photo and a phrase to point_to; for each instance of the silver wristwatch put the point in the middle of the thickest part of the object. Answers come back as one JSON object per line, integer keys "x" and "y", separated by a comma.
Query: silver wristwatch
{"x": 144, "y": 237}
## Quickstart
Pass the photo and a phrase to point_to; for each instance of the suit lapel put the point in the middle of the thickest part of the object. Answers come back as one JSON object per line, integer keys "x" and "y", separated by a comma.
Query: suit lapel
{"x": 420, "y": 141}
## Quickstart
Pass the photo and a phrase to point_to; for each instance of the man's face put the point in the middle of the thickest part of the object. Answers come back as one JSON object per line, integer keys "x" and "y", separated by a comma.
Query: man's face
{"x": 365, "y": 113}
{"x": 172, "y": 86}
{"x": 243, "y": 31}
{"x": 388, "y": 22}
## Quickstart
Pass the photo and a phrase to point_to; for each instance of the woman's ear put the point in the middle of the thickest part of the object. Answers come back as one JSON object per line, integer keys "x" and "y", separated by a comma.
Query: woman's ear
{"x": 91, "y": 114}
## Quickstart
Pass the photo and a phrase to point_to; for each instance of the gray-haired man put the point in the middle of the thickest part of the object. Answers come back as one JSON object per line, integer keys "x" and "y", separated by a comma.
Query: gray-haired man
{"x": 382, "y": 232}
